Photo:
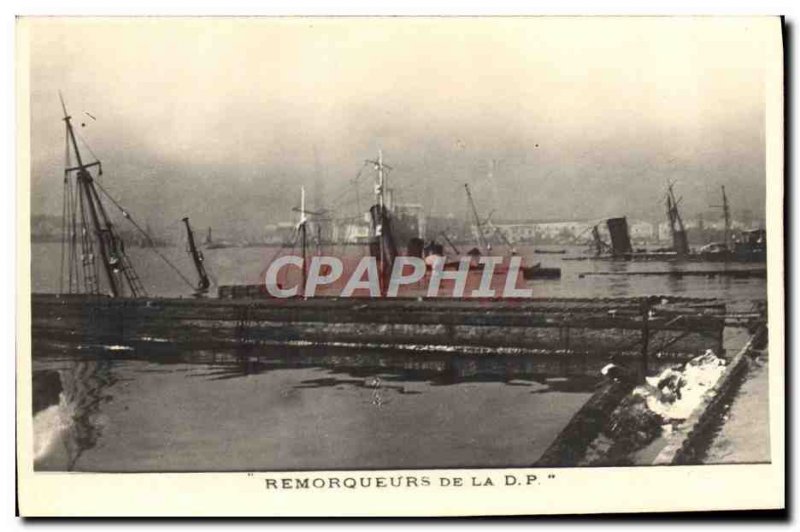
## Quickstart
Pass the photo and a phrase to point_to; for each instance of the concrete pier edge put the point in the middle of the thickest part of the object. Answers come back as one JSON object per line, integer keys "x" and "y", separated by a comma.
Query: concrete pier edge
{"x": 685, "y": 444}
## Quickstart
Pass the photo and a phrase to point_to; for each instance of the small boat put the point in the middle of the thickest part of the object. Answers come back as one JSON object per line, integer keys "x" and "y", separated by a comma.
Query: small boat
{"x": 750, "y": 246}
{"x": 528, "y": 272}
{"x": 537, "y": 271}
{"x": 746, "y": 246}
{"x": 209, "y": 243}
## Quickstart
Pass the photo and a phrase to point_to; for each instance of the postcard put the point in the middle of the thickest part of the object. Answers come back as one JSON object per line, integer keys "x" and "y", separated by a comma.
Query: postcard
{"x": 399, "y": 266}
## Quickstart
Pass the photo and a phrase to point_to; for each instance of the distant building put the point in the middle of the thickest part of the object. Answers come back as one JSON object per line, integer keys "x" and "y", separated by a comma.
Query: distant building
{"x": 643, "y": 231}
{"x": 563, "y": 231}
{"x": 408, "y": 221}
{"x": 356, "y": 230}
{"x": 354, "y": 233}
{"x": 280, "y": 233}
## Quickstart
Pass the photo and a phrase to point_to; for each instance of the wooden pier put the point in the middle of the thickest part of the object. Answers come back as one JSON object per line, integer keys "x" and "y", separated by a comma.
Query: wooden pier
{"x": 750, "y": 273}
{"x": 580, "y": 334}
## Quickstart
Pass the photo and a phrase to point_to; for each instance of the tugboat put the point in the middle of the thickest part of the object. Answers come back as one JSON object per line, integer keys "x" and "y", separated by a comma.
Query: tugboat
{"x": 535, "y": 271}
{"x": 751, "y": 246}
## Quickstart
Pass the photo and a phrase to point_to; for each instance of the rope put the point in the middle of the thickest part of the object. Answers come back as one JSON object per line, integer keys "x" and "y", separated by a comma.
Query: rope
{"x": 86, "y": 144}
{"x": 284, "y": 245}
{"x": 65, "y": 216}
{"x": 147, "y": 236}
{"x": 74, "y": 197}
{"x": 63, "y": 236}
{"x": 338, "y": 201}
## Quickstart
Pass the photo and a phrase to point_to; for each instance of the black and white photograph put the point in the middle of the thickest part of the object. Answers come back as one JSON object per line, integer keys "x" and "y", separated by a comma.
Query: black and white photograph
{"x": 391, "y": 249}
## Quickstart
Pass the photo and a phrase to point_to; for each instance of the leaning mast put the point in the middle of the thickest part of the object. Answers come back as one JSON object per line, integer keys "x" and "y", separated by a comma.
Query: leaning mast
{"x": 197, "y": 257}
{"x": 86, "y": 199}
{"x": 481, "y": 237}
{"x": 678, "y": 230}
{"x": 727, "y": 213}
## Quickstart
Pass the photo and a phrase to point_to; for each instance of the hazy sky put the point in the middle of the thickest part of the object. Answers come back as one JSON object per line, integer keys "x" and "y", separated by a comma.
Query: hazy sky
{"x": 223, "y": 120}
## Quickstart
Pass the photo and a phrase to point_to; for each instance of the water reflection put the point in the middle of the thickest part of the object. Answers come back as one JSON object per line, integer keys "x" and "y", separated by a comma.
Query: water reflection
{"x": 68, "y": 418}
{"x": 126, "y": 410}
{"x": 676, "y": 284}
{"x": 619, "y": 285}
{"x": 576, "y": 372}
{"x": 360, "y": 368}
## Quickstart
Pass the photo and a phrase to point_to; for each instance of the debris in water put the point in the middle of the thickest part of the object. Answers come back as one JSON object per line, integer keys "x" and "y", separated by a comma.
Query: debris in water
{"x": 118, "y": 348}
{"x": 674, "y": 393}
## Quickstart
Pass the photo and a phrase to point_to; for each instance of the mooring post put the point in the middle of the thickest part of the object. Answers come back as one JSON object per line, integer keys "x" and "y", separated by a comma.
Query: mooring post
{"x": 645, "y": 307}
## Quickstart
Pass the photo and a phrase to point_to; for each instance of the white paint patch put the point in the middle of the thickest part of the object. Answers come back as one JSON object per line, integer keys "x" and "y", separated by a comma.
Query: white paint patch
{"x": 50, "y": 428}
{"x": 698, "y": 376}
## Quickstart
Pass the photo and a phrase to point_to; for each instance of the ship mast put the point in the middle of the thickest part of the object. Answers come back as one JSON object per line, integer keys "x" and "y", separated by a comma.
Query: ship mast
{"x": 380, "y": 220}
{"x": 727, "y": 213}
{"x": 380, "y": 192}
{"x": 302, "y": 226}
{"x": 499, "y": 232}
{"x": 676, "y": 227}
{"x": 197, "y": 257}
{"x": 81, "y": 197}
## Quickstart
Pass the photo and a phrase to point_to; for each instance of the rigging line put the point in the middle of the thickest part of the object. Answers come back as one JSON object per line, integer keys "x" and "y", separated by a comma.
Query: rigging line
{"x": 284, "y": 245}
{"x": 293, "y": 242}
{"x": 338, "y": 199}
{"x": 86, "y": 145}
{"x": 63, "y": 231}
{"x": 74, "y": 198}
{"x": 339, "y": 202}
{"x": 63, "y": 238}
{"x": 95, "y": 262}
{"x": 153, "y": 247}
{"x": 72, "y": 234}
{"x": 342, "y": 202}
{"x": 73, "y": 241}
{"x": 89, "y": 266}
{"x": 345, "y": 219}
{"x": 342, "y": 195}
{"x": 65, "y": 215}
{"x": 355, "y": 186}
{"x": 86, "y": 254}
{"x": 67, "y": 242}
